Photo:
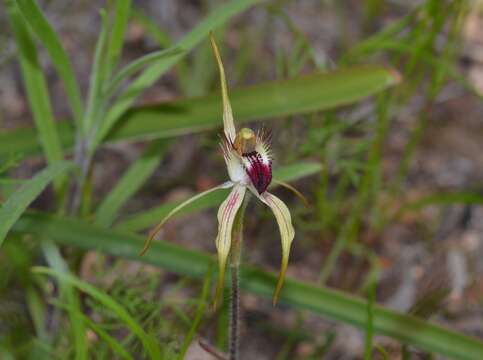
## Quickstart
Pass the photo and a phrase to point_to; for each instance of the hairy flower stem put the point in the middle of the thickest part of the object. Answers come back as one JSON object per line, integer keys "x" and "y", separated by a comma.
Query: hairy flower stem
{"x": 237, "y": 239}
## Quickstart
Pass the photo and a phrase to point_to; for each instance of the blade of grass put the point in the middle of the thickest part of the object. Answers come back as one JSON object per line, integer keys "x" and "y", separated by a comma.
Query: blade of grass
{"x": 320, "y": 91}
{"x": 304, "y": 94}
{"x": 371, "y": 44}
{"x": 153, "y": 72}
{"x": 130, "y": 183}
{"x": 97, "y": 77}
{"x": 115, "y": 345}
{"x": 320, "y": 300}
{"x": 35, "y": 85}
{"x": 137, "y": 65}
{"x": 449, "y": 198}
{"x": 151, "y": 28}
{"x": 198, "y": 315}
{"x": 43, "y": 30}
{"x": 122, "y": 11}
{"x": 67, "y": 292}
{"x": 149, "y": 344}
{"x": 18, "y": 202}
{"x": 367, "y": 191}
{"x": 370, "y": 318}
{"x": 145, "y": 219}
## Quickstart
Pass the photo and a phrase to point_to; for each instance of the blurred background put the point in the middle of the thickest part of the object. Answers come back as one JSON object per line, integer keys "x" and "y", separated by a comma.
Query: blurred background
{"x": 395, "y": 210}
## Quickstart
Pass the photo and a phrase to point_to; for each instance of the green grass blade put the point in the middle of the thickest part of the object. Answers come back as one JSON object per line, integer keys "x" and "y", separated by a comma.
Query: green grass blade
{"x": 44, "y": 31}
{"x": 137, "y": 65}
{"x": 371, "y": 299}
{"x": 130, "y": 183}
{"x": 153, "y": 72}
{"x": 122, "y": 10}
{"x": 97, "y": 77}
{"x": 320, "y": 300}
{"x": 305, "y": 94}
{"x": 148, "y": 218}
{"x": 115, "y": 345}
{"x": 200, "y": 311}
{"x": 25, "y": 141}
{"x": 35, "y": 85}
{"x": 18, "y": 202}
{"x": 149, "y": 344}
{"x": 151, "y": 28}
{"x": 68, "y": 293}
{"x": 449, "y": 198}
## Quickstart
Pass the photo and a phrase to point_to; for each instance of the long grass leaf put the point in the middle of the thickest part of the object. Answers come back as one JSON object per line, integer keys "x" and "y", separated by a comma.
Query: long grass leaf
{"x": 35, "y": 85}
{"x": 137, "y": 65}
{"x": 153, "y": 72}
{"x": 97, "y": 77}
{"x": 130, "y": 183}
{"x": 149, "y": 344}
{"x": 115, "y": 345}
{"x": 445, "y": 198}
{"x": 56, "y": 262}
{"x": 43, "y": 30}
{"x": 18, "y": 202}
{"x": 329, "y": 303}
{"x": 200, "y": 310}
{"x": 371, "y": 299}
{"x": 304, "y": 94}
{"x": 122, "y": 10}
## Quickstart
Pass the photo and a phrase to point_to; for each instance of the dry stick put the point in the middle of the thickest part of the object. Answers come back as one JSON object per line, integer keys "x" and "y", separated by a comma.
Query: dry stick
{"x": 211, "y": 350}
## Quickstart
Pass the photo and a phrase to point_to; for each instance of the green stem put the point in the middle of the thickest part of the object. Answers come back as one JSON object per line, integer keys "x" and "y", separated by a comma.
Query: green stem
{"x": 235, "y": 314}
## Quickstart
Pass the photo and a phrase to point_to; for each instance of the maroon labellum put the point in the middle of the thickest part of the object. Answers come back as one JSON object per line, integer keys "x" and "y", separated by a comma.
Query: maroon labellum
{"x": 259, "y": 169}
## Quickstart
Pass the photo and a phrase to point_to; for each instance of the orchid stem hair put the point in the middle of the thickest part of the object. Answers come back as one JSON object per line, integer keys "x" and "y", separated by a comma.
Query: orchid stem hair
{"x": 237, "y": 240}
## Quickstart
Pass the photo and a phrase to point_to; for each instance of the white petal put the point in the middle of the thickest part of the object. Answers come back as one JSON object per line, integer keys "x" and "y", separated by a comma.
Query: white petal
{"x": 226, "y": 216}
{"x": 235, "y": 168}
{"x": 287, "y": 233}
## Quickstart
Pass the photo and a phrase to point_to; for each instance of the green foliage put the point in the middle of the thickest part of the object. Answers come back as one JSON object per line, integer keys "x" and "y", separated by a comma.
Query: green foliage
{"x": 19, "y": 201}
{"x": 320, "y": 300}
{"x": 315, "y": 92}
{"x": 35, "y": 84}
{"x": 42, "y": 29}
{"x": 149, "y": 343}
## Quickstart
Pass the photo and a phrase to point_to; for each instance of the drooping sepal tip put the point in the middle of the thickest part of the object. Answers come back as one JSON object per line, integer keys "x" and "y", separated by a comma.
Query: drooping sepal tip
{"x": 287, "y": 234}
{"x": 280, "y": 281}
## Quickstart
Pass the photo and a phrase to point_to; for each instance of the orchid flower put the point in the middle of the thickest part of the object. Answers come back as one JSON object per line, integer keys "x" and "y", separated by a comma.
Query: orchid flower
{"x": 249, "y": 163}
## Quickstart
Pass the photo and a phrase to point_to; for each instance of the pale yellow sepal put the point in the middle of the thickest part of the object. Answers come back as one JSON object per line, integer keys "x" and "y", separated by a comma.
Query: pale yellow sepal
{"x": 228, "y": 123}
{"x": 226, "y": 217}
{"x": 287, "y": 234}
{"x": 158, "y": 227}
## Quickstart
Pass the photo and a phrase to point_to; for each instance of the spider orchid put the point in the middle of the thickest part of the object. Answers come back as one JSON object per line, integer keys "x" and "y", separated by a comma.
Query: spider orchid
{"x": 249, "y": 164}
